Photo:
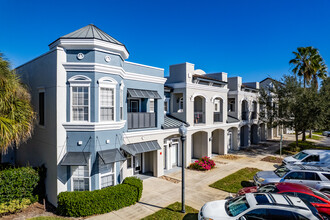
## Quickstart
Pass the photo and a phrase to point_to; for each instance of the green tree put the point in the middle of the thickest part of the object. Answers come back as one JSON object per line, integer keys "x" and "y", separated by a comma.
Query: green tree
{"x": 16, "y": 113}
{"x": 292, "y": 105}
{"x": 309, "y": 64}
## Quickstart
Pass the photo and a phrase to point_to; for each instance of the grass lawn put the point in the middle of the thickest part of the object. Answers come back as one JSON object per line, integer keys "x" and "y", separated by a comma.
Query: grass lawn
{"x": 318, "y": 132}
{"x": 232, "y": 183}
{"x": 173, "y": 212}
{"x": 47, "y": 218}
{"x": 302, "y": 145}
{"x": 314, "y": 137}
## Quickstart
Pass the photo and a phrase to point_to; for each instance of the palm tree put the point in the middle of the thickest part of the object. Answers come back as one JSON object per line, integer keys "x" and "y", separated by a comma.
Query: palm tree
{"x": 16, "y": 113}
{"x": 309, "y": 64}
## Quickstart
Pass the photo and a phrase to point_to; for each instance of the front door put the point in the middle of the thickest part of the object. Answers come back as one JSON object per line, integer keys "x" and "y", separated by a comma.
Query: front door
{"x": 133, "y": 105}
{"x": 137, "y": 164}
{"x": 230, "y": 141}
{"x": 174, "y": 155}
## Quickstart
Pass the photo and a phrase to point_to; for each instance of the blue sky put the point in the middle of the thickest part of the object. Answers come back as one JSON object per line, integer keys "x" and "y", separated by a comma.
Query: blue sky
{"x": 250, "y": 38}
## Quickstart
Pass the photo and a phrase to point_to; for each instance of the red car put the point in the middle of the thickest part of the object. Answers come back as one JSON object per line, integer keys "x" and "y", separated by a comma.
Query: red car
{"x": 320, "y": 201}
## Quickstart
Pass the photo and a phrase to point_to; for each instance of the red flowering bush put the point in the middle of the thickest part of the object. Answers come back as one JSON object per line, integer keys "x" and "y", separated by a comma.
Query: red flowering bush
{"x": 205, "y": 163}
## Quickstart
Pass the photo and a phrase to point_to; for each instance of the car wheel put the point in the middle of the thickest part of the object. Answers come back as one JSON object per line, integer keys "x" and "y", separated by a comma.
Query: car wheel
{"x": 325, "y": 216}
{"x": 326, "y": 191}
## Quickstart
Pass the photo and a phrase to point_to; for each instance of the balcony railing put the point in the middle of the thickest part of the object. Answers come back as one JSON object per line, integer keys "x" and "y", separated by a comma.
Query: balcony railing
{"x": 245, "y": 115}
{"x": 199, "y": 117}
{"x": 138, "y": 120}
{"x": 217, "y": 117}
{"x": 254, "y": 115}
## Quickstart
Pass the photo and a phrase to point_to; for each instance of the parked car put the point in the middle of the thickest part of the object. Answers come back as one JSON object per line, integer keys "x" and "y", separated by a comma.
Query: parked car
{"x": 319, "y": 200}
{"x": 313, "y": 176}
{"x": 265, "y": 206}
{"x": 326, "y": 133}
{"x": 310, "y": 157}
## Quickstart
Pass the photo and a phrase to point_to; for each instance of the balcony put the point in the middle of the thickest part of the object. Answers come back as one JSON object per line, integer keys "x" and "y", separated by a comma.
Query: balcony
{"x": 199, "y": 117}
{"x": 217, "y": 117}
{"x": 139, "y": 120}
{"x": 245, "y": 115}
{"x": 254, "y": 115}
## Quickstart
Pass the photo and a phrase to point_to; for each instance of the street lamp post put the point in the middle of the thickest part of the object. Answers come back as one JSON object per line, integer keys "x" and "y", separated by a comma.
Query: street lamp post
{"x": 183, "y": 132}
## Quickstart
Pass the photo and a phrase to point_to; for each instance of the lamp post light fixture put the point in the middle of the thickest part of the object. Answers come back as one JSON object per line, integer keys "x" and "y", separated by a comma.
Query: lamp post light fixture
{"x": 183, "y": 132}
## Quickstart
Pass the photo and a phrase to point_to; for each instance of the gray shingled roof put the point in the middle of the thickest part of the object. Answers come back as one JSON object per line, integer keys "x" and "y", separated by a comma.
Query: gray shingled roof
{"x": 91, "y": 32}
{"x": 171, "y": 122}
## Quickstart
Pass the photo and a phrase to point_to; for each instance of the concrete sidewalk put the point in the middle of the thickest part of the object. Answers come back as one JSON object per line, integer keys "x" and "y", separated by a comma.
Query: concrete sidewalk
{"x": 159, "y": 193}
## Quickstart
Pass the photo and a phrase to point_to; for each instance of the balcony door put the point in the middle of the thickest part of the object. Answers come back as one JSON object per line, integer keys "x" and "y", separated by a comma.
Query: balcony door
{"x": 134, "y": 105}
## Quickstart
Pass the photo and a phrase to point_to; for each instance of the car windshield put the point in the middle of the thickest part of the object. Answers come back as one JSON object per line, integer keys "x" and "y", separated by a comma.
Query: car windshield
{"x": 319, "y": 194}
{"x": 268, "y": 188}
{"x": 236, "y": 206}
{"x": 300, "y": 156}
{"x": 281, "y": 171}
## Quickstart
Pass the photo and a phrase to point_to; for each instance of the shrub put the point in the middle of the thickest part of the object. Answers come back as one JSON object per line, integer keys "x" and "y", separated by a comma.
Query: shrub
{"x": 13, "y": 206}
{"x": 18, "y": 183}
{"x": 205, "y": 163}
{"x": 101, "y": 201}
{"x": 136, "y": 182}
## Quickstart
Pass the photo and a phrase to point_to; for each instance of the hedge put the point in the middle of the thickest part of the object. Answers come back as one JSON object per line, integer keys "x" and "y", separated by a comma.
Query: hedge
{"x": 77, "y": 204}
{"x": 18, "y": 183}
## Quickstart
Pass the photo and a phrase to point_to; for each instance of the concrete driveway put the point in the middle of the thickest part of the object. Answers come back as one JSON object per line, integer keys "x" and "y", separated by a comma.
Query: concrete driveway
{"x": 159, "y": 193}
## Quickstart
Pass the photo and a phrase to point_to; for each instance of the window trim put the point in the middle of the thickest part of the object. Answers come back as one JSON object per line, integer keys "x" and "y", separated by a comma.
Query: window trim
{"x": 105, "y": 174}
{"x": 167, "y": 100}
{"x": 89, "y": 176}
{"x": 121, "y": 104}
{"x": 107, "y": 82}
{"x": 80, "y": 81}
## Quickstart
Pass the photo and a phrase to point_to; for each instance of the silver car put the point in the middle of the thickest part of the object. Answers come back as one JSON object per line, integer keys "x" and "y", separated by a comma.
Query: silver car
{"x": 265, "y": 206}
{"x": 315, "y": 177}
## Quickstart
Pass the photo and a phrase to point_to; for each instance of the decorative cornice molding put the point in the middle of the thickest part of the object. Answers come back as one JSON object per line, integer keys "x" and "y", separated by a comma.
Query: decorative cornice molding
{"x": 93, "y": 126}
{"x": 102, "y": 68}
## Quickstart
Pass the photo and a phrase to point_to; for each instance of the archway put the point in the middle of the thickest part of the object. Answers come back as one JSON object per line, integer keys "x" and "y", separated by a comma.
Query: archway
{"x": 218, "y": 141}
{"x": 245, "y": 110}
{"x": 199, "y": 145}
{"x": 244, "y": 136}
{"x": 254, "y": 134}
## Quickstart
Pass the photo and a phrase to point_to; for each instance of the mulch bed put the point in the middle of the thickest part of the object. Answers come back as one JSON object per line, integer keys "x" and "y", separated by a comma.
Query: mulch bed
{"x": 173, "y": 180}
{"x": 228, "y": 157}
{"x": 272, "y": 159}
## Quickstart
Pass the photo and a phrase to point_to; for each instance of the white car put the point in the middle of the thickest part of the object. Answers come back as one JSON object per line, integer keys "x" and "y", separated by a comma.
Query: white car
{"x": 310, "y": 157}
{"x": 264, "y": 206}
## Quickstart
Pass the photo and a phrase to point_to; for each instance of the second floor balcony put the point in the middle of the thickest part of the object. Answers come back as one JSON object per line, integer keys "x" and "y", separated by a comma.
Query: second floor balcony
{"x": 199, "y": 117}
{"x": 139, "y": 120}
{"x": 217, "y": 117}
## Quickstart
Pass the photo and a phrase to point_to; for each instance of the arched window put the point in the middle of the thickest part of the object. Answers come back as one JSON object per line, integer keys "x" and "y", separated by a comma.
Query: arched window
{"x": 80, "y": 98}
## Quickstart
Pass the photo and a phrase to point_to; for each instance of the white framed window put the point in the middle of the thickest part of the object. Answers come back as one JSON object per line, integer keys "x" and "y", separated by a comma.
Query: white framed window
{"x": 231, "y": 105}
{"x": 80, "y": 178}
{"x": 151, "y": 105}
{"x": 80, "y": 98}
{"x": 107, "y": 99}
{"x": 106, "y": 104}
{"x": 107, "y": 174}
{"x": 80, "y": 103}
{"x": 166, "y": 106}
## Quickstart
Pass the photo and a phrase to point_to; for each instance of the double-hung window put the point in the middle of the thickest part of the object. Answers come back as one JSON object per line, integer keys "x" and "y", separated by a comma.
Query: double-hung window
{"x": 80, "y": 178}
{"x": 80, "y": 89}
{"x": 106, "y": 104}
{"x": 107, "y": 174}
{"x": 80, "y": 103}
{"x": 107, "y": 99}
